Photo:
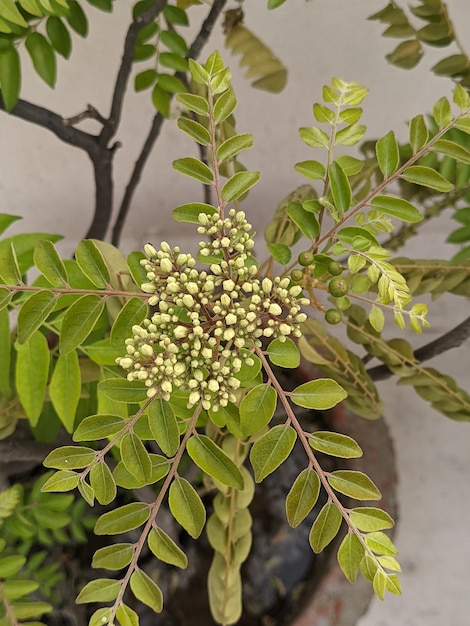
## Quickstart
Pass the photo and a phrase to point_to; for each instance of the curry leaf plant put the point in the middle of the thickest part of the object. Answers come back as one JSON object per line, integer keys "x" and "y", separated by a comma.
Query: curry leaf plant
{"x": 163, "y": 361}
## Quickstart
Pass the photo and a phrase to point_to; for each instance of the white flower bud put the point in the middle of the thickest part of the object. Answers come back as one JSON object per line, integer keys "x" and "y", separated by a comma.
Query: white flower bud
{"x": 125, "y": 362}
{"x": 188, "y": 300}
{"x": 166, "y": 386}
{"x": 213, "y": 385}
{"x": 166, "y": 266}
{"x": 180, "y": 332}
{"x": 285, "y": 329}
{"x": 229, "y": 334}
{"x": 194, "y": 397}
{"x": 192, "y": 288}
{"x": 146, "y": 350}
{"x": 275, "y": 309}
{"x": 295, "y": 291}
{"x": 230, "y": 319}
{"x": 179, "y": 369}
{"x": 268, "y": 332}
{"x": 148, "y": 287}
{"x": 151, "y": 392}
{"x": 225, "y": 242}
{"x": 150, "y": 251}
{"x": 267, "y": 285}
{"x": 228, "y": 285}
{"x": 301, "y": 318}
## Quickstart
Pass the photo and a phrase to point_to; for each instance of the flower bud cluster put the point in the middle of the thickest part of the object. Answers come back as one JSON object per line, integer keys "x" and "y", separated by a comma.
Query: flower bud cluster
{"x": 207, "y": 323}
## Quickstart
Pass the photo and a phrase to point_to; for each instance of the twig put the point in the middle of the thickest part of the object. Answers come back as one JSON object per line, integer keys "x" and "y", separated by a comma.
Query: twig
{"x": 157, "y": 122}
{"x": 452, "y": 339}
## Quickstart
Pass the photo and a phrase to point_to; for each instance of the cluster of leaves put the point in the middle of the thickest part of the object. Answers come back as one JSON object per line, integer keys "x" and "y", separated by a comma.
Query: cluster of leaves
{"x": 43, "y": 26}
{"x": 28, "y": 521}
{"x": 71, "y": 328}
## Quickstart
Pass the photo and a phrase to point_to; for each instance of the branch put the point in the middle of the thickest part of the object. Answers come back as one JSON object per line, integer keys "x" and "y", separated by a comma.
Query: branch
{"x": 194, "y": 51}
{"x": 55, "y": 123}
{"x": 125, "y": 69}
{"x": 452, "y": 339}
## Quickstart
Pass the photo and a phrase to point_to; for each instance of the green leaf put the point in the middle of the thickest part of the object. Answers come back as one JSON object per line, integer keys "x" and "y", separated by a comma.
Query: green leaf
{"x": 335, "y": 444}
{"x": 9, "y": 269}
{"x": 79, "y": 321}
{"x": 145, "y": 80}
{"x": 146, "y": 590}
{"x": 427, "y": 177}
{"x": 165, "y": 549}
{"x": 126, "y": 616}
{"x": 59, "y": 36}
{"x": 133, "y": 312}
{"x": 280, "y": 252}
{"x": 442, "y": 112}
{"x": 86, "y": 492}
{"x": 305, "y": 220}
{"x": 238, "y": 184}
{"x": 350, "y": 554}
{"x": 190, "y": 212}
{"x": 164, "y": 426}
{"x": 135, "y": 457}
{"x": 123, "y": 519}
{"x": 64, "y": 480}
{"x": 97, "y": 427}
{"x": 24, "y": 610}
{"x": 101, "y": 590}
{"x": 10, "y": 76}
{"x": 5, "y": 351}
{"x": 271, "y": 450}
{"x": 6, "y": 220}
{"x": 311, "y": 169}
{"x": 388, "y": 156}
{"x": 380, "y": 583}
{"x": 396, "y": 207}
{"x": 257, "y": 409}
{"x": 186, "y": 507}
{"x": 195, "y": 130}
{"x": 354, "y": 484}
{"x": 302, "y": 496}
{"x": 42, "y": 56}
{"x": 284, "y": 353}
{"x": 11, "y": 565}
{"x": 14, "y": 589}
{"x": 92, "y": 263}
{"x": 102, "y": 483}
{"x": 233, "y": 146}
{"x": 314, "y": 137}
{"x": 380, "y": 543}
{"x": 65, "y": 388}
{"x": 452, "y": 149}
{"x": 370, "y": 519}
{"x": 170, "y": 84}
{"x": 340, "y": 187}
{"x": 194, "y": 168}
{"x": 174, "y": 42}
{"x": 34, "y": 313}
{"x": 77, "y": 18}
{"x": 160, "y": 469}
{"x": 418, "y": 133}
{"x": 377, "y": 318}
{"x": 351, "y": 135}
{"x": 325, "y": 528}
{"x": 196, "y": 104}
{"x": 213, "y": 461}
{"x": 113, "y": 557}
{"x": 225, "y": 105}
{"x": 461, "y": 97}
{"x": 70, "y": 457}
{"x": 49, "y": 263}
{"x": 161, "y": 100}
{"x": 32, "y": 371}
{"x": 9, "y": 11}
{"x": 173, "y": 61}
{"x": 123, "y": 390}
{"x": 451, "y": 66}
{"x": 319, "y": 394}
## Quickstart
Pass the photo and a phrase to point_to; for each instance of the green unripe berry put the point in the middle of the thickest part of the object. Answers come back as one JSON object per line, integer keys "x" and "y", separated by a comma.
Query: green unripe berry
{"x": 305, "y": 258}
{"x": 296, "y": 276}
{"x": 333, "y": 316}
{"x": 335, "y": 268}
{"x": 338, "y": 287}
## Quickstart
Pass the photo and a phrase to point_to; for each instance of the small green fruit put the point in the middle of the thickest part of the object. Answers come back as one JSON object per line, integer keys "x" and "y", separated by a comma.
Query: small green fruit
{"x": 338, "y": 287}
{"x": 305, "y": 258}
{"x": 333, "y": 316}
{"x": 296, "y": 276}
{"x": 335, "y": 268}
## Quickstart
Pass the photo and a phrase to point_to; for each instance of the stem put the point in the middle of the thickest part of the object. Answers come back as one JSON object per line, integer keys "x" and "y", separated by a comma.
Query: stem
{"x": 153, "y": 514}
{"x": 157, "y": 123}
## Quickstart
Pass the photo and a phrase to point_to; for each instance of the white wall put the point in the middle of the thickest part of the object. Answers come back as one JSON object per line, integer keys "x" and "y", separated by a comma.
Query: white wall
{"x": 50, "y": 185}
